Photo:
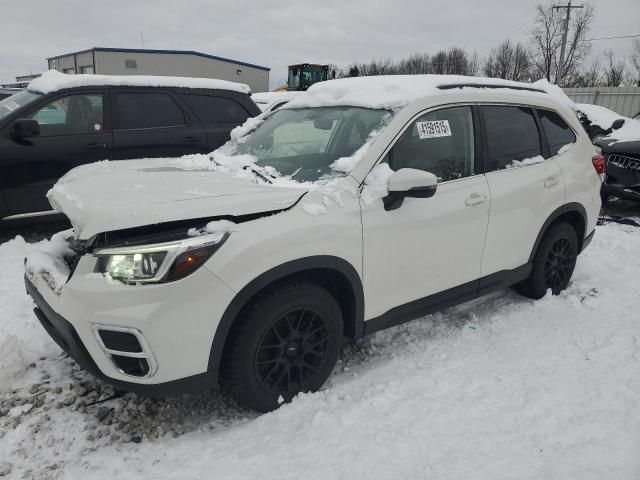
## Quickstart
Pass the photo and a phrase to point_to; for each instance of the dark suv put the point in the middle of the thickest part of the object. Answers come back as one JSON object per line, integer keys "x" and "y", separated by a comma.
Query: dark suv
{"x": 44, "y": 135}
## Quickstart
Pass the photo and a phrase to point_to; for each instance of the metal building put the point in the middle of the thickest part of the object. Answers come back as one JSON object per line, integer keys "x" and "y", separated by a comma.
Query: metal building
{"x": 180, "y": 63}
{"x": 622, "y": 100}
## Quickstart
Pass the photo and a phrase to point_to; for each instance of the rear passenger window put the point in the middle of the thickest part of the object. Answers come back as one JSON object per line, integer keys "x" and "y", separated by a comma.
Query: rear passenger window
{"x": 217, "y": 109}
{"x": 557, "y": 131}
{"x": 441, "y": 142}
{"x": 147, "y": 110}
{"x": 511, "y": 133}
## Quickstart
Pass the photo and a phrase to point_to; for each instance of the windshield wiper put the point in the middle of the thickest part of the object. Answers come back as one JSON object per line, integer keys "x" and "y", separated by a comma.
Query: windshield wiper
{"x": 258, "y": 173}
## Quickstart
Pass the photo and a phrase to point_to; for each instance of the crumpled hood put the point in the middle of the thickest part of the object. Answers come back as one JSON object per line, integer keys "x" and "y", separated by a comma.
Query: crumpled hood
{"x": 107, "y": 196}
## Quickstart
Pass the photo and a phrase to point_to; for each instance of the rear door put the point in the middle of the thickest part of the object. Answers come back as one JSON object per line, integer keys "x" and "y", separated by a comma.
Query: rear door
{"x": 219, "y": 115}
{"x": 74, "y": 129}
{"x": 526, "y": 184}
{"x": 154, "y": 124}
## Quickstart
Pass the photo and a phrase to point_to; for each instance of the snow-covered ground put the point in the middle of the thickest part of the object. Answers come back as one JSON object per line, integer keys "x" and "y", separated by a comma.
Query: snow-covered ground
{"x": 502, "y": 387}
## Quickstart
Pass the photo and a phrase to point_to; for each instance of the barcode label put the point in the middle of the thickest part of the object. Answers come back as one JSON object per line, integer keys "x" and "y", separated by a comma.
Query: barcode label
{"x": 433, "y": 129}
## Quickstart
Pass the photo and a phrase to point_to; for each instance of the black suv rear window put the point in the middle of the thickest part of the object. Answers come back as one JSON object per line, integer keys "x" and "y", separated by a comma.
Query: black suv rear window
{"x": 213, "y": 109}
{"x": 147, "y": 110}
{"x": 557, "y": 131}
{"x": 511, "y": 134}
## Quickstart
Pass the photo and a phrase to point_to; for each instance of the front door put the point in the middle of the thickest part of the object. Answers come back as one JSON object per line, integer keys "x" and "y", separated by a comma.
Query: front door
{"x": 72, "y": 132}
{"x": 428, "y": 245}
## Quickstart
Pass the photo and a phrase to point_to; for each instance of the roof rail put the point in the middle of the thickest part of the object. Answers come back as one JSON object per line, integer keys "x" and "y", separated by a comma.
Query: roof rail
{"x": 451, "y": 86}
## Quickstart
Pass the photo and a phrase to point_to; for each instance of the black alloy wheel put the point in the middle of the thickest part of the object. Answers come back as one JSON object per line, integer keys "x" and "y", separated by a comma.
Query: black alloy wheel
{"x": 286, "y": 341}
{"x": 553, "y": 263}
{"x": 291, "y": 351}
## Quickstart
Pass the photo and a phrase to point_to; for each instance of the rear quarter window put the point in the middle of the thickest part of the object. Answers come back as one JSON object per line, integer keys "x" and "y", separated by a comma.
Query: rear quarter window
{"x": 213, "y": 109}
{"x": 556, "y": 130}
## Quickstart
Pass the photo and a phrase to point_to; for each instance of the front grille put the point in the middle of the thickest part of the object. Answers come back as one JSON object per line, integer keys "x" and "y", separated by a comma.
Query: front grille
{"x": 624, "y": 161}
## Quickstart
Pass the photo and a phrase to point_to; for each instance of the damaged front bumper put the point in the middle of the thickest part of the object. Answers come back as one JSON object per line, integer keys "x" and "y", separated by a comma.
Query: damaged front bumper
{"x": 171, "y": 349}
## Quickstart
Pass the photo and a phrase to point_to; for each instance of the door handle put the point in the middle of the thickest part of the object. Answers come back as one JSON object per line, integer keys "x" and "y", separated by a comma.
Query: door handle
{"x": 191, "y": 139}
{"x": 96, "y": 146}
{"x": 475, "y": 199}
{"x": 551, "y": 182}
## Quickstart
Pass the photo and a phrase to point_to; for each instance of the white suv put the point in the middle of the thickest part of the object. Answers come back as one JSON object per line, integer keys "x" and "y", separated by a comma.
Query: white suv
{"x": 362, "y": 204}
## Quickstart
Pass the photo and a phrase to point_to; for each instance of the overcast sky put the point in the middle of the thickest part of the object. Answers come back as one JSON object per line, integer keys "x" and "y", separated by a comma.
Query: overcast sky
{"x": 278, "y": 33}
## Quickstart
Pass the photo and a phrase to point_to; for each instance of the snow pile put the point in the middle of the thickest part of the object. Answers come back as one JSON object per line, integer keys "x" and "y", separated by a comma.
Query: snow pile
{"x": 600, "y": 116}
{"x": 526, "y": 161}
{"x": 52, "y": 81}
{"x": 376, "y": 185}
{"x": 216, "y": 226}
{"x": 629, "y": 132}
{"x": 500, "y": 387}
{"x": 47, "y": 259}
{"x": 396, "y": 91}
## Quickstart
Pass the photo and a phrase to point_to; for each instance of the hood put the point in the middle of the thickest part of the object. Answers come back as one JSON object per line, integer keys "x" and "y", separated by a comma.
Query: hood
{"x": 609, "y": 146}
{"x": 109, "y": 196}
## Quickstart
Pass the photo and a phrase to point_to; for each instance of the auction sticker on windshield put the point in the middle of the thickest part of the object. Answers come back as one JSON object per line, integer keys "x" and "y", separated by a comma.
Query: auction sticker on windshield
{"x": 433, "y": 129}
{"x": 11, "y": 106}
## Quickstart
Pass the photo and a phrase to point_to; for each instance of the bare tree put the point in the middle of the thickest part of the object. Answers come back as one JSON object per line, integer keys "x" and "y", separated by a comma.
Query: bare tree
{"x": 509, "y": 61}
{"x": 635, "y": 61}
{"x": 546, "y": 42}
{"x": 457, "y": 61}
{"x": 439, "y": 62}
{"x": 590, "y": 76}
{"x": 416, "y": 64}
{"x": 614, "y": 69}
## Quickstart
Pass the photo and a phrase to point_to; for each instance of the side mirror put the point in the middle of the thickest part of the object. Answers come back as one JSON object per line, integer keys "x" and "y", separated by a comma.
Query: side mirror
{"x": 409, "y": 183}
{"x": 617, "y": 124}
{"x": 25, "y": 128}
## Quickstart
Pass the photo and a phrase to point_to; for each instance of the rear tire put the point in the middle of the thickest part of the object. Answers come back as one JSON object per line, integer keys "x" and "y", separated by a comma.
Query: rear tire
{"x": 286, "y": 341}
{"x": 553, "y": 263}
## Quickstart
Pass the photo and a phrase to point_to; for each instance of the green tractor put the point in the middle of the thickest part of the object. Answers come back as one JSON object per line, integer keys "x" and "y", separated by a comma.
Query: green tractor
{"x": 304, "y": 75}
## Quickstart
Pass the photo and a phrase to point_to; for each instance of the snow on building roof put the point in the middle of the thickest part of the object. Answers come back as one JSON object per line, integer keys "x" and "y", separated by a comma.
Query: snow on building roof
{"x": 52, "y": 81}
{"x": 395, "y": 91}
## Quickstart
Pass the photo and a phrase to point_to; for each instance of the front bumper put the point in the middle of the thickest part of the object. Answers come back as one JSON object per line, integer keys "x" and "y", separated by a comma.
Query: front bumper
{"x": 178, "y": 320}
{"x": 623, "y": 177}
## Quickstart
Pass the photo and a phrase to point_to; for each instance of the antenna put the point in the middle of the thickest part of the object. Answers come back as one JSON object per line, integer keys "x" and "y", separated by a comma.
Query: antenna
{"x": 141, "y": 39}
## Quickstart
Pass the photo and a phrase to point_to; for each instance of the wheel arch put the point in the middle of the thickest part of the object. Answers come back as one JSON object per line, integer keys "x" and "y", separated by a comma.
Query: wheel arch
{"x": 572, "y": 213}
{"x": 334, "y": 273}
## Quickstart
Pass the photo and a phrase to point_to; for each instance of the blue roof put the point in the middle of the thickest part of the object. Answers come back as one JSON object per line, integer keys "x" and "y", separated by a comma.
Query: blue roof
{"x": 173, "y": 52}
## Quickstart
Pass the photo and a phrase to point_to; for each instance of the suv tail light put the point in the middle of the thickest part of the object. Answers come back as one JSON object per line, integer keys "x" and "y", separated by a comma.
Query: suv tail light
{"x": 599, "y": 163}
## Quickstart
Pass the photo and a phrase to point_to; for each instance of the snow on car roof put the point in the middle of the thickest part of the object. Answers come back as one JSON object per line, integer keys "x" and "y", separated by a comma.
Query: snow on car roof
{"x": 395, "y": 91}
{"x": 52, "y": 81}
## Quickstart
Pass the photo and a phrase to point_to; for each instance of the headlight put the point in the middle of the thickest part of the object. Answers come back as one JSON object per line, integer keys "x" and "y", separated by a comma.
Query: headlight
{"x": 161, "y": 262}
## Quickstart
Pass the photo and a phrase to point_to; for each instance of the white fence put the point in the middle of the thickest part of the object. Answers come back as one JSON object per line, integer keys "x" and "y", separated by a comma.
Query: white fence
{"x": 622, "y": 100}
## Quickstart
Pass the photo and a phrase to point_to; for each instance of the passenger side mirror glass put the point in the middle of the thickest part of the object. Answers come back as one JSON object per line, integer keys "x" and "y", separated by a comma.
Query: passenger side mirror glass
{"x": 409, "y": 183}
{"x": 25, "y": 128}
{"x": 617, "y": 124}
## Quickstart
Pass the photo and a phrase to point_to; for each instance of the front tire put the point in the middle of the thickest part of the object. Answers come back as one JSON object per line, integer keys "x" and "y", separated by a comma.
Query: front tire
{"x": 286, "y": 341}
{"x": 553, "y": 263}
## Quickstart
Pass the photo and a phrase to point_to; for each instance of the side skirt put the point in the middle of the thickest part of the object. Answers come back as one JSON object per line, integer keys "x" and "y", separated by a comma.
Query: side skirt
{"x": 447, "y": 298}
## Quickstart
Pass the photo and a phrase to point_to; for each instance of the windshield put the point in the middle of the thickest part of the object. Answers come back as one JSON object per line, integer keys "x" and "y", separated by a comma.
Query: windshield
{"x": 305, "y": 142}
{"x": 15, "y": 102}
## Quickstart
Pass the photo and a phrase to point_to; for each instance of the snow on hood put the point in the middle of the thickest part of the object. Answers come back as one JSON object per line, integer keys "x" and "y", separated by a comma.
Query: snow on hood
{"x": 396, "y": 91}
{"x": 108, "y": 196}
{"x": 629, "y": 132}
{"x": 52, "y": 81}
{"x": 598, "y": 115}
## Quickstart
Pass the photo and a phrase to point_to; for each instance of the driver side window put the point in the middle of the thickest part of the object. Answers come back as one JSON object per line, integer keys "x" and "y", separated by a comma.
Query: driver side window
{"x": 71, "y": 115}
{"x": 441, "y": 142}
